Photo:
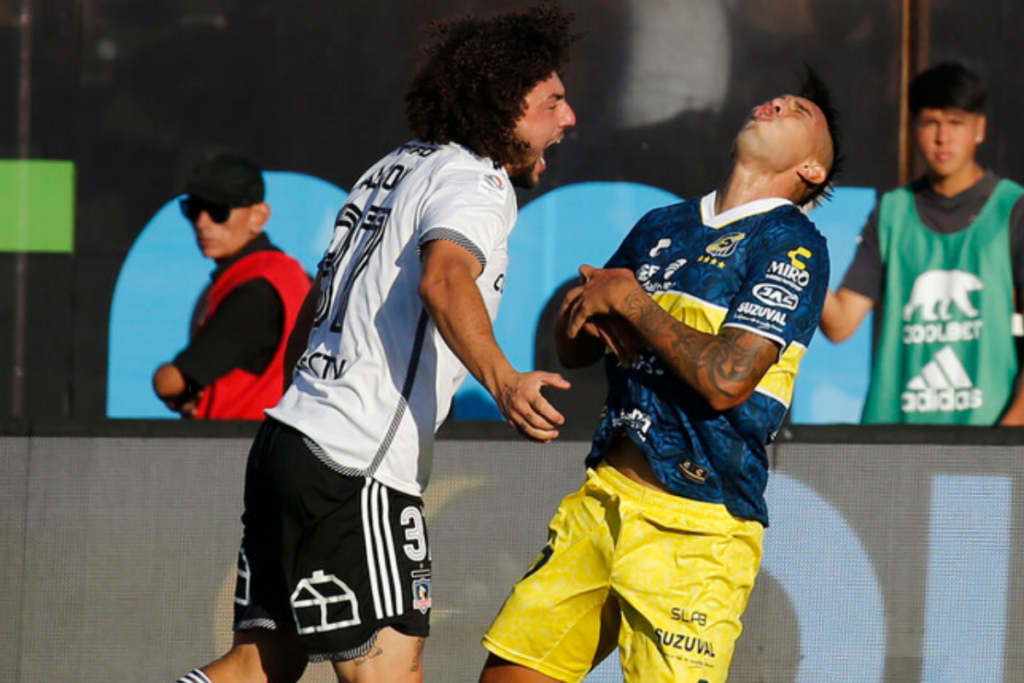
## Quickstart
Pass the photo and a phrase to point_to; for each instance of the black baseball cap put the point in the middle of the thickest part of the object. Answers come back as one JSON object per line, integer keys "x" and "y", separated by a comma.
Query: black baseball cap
{"x": 226, "y": 179}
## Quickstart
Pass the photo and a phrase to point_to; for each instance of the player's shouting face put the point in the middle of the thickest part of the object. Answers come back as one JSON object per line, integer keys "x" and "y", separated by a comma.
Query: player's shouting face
{"x": 543, "y": 123}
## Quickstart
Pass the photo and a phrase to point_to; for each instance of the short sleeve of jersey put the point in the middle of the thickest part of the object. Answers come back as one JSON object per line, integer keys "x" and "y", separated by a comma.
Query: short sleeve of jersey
{"x": 787, "y": 273}
{"x": 473, "y": 207}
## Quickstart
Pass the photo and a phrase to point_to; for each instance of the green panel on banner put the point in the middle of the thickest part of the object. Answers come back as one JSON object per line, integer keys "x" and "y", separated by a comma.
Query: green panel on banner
{"x": 37, "y": 206}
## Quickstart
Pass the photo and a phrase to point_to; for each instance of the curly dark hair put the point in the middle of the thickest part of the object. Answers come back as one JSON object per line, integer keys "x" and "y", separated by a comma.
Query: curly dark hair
{"x": 471, "y": 87}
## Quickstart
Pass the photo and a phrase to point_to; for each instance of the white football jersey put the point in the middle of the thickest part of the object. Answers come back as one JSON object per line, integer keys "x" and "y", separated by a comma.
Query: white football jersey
{"x": 377, "y": 379}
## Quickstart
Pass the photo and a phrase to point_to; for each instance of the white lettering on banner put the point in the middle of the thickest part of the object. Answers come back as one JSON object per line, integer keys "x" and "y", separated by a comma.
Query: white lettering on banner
{"x": 953, "y": 331}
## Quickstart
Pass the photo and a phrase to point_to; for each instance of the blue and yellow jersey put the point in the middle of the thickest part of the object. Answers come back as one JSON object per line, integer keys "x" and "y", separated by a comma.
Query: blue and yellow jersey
{"x": 762, "y": 267}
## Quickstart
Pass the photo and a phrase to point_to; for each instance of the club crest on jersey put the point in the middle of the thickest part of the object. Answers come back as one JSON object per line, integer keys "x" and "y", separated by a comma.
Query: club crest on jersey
{"x": 421, "y": 599}
{"x": 492, "y": 185}
{"x": 721, "y": 249}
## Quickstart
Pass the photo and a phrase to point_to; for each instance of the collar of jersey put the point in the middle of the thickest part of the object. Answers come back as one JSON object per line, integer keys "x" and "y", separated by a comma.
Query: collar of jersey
{"x": 713, "y": 220}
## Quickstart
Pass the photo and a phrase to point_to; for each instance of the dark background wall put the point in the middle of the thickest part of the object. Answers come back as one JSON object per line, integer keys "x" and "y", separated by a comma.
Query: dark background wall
{"x": 134, "y": 93}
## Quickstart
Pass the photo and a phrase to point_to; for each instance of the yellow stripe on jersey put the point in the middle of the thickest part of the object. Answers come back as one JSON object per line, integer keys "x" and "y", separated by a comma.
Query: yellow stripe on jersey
{"x": 701, "y": 315}
{"x": 704, "y": 316}
{"x": 779, "y": 380}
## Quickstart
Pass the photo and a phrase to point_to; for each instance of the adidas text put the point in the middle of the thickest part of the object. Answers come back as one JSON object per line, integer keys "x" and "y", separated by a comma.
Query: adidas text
{"x": 940, "y": 400}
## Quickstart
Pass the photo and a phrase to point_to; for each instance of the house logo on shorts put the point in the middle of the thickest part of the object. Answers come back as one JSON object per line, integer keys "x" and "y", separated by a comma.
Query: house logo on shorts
{"x": 323, "y": 602}
{"x": 942, "y": 386}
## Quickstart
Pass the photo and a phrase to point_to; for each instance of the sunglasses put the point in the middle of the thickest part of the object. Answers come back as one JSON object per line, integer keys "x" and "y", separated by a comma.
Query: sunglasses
{"x": 192, "y": 207}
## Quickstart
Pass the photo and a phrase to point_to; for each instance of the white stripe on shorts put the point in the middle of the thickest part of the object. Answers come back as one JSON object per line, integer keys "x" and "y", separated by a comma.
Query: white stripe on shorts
{"x": 389, "y": 546}
{"x": 381, "y": 563}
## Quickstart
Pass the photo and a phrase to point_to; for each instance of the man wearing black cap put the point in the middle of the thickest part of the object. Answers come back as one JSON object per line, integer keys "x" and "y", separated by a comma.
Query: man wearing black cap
{"x": 233, "y": 367}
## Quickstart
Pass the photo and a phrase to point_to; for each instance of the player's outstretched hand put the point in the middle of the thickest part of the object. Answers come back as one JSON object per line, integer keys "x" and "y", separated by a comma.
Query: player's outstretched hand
{"x": 525, "y": 408}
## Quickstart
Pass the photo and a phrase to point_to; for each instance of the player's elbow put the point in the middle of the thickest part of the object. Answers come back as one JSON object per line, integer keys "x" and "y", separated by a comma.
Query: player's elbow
{"x": 432, "y": 291}
{"x": 723, "y": 398}
{"x": 836, "y": 333}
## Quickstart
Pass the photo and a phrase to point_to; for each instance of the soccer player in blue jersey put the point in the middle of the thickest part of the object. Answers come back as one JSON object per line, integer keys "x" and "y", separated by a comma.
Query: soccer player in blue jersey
{"x": 702, "y": 316}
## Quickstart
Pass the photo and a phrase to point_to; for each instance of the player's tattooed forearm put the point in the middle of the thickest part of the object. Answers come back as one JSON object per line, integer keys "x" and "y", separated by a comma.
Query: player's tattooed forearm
{"x": 730, "y": 360}
{"x": 649, "y": 317}
{"x": 651, "y": 320}
{"x": 721, "y": 363}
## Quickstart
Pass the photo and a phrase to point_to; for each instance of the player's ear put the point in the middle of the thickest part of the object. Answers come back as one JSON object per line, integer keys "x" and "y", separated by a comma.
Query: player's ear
{"x": 812, "y": 172}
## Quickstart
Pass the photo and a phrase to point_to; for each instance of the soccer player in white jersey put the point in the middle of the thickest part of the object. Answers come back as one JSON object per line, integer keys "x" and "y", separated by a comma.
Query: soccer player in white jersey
{"x": 334, "y": 562}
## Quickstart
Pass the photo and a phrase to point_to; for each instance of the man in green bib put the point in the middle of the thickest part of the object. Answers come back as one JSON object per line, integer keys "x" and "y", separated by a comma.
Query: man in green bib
{"x": 941, "y": 260}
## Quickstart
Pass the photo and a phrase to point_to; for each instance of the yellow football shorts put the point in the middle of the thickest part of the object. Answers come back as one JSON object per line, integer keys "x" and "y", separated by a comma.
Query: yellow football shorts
{"x": 663, "y": 577}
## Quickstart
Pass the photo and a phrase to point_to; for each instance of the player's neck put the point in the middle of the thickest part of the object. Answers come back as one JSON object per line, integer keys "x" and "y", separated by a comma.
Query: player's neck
{"x": 744, "y": 185}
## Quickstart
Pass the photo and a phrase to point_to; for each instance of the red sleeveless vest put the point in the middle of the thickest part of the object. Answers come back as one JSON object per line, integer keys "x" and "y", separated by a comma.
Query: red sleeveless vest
{"x": 241, "y": 395}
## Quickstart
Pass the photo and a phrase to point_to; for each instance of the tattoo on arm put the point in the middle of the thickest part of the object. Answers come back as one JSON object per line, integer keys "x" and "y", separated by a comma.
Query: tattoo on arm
{"x": 732, "y": 360}
{"x": 727, "y": 364}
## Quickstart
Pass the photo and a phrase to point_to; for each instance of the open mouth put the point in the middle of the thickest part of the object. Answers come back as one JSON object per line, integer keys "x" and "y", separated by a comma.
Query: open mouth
{"x": 763, "y": 112}
{"x": 542, "y": 162}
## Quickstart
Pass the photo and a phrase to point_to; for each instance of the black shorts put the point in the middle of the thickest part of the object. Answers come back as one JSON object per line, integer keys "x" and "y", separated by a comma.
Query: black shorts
{"x": 334, "y": 556}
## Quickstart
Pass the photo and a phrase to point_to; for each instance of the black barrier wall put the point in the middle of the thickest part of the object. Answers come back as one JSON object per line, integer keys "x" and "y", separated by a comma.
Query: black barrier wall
{"x": 893, "y": 556}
